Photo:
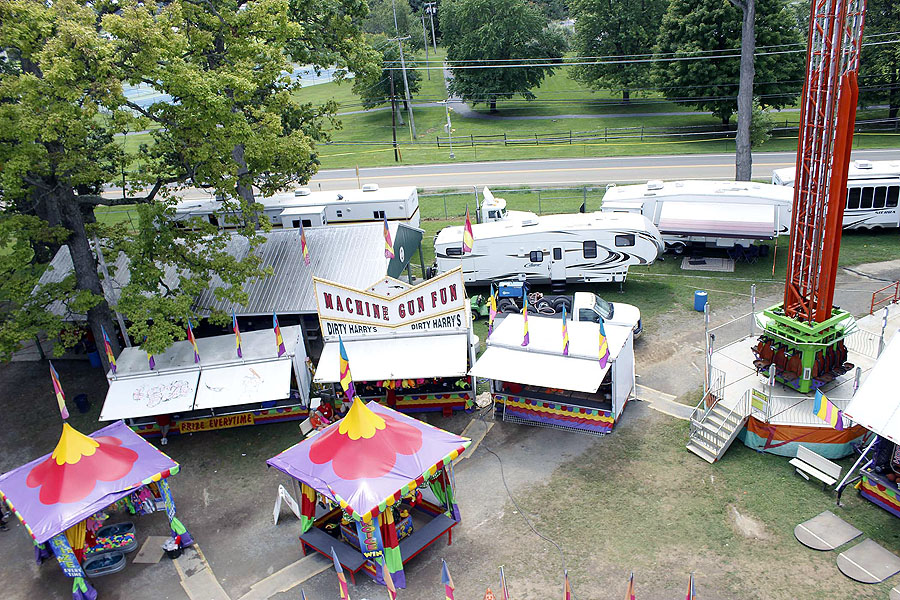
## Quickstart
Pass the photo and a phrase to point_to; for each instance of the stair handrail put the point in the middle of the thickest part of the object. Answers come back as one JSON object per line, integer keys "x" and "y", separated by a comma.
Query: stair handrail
{"x": 743, "y": 404}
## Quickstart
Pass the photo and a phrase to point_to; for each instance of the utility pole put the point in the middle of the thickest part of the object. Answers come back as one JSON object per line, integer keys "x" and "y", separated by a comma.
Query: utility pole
{"x": 412, "y": 121}
{"x": 430, "y": 9}
{"x": 425, "y": 38}
{"x": 449, "y": 128}
{"x": 393, "y": 117}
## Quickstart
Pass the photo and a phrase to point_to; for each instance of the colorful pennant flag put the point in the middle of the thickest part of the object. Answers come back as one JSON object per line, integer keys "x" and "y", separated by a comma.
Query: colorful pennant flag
{"x": 109, "y": 353}
{"x": 567, "y": 590}
{"x": 278, "y": 339}
{"x": 302, "y": 594}
{"x": 58, "y": 391}
{"x": 389, "y": 582}
{"x": 629, "y": 593}
{"x": 342, "y": 581}
{"x": 492, "y": 311}
{"x": 503, "y": 589}
{"x": 193, "y": 340}
{"x": 525, "y": 317}
{"x": 150, "y": 357}
{"x": 447, "y": 581}
{"x": 237, "y": 334}
{"x": 604, "y": 346}
{"x": 828, "y": 412}
{"x": 690, "y": 592}
{"x": 565, "y": 334}
{"x": 304, "y": 247}
{"x": 388, "y": 244}
{"x": 468, "y": 238}
{"x": 346, "y": 379}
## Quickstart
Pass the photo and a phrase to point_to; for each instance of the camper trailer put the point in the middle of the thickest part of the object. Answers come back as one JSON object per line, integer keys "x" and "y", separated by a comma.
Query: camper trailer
{"x": 592, "y": 247}
{"x": 718, "y": 214}
{"x": 873, "y": 191}
{"x": 370, "y": 204}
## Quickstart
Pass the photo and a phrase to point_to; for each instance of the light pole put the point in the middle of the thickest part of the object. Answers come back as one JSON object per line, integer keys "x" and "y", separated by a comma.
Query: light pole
{"x": 449, "y": 127}
{"x": 425, "y": 38}
{"x": 430, "y": 9}
{"x": 409, "y": 109}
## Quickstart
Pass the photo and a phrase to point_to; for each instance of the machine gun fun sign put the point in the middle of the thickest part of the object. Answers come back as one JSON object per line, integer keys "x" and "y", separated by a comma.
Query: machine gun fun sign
{"x": 438, "y": 304}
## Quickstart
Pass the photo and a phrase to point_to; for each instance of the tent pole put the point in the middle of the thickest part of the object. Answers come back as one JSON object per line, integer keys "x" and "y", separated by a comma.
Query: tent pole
{"x": 840, "y": 487}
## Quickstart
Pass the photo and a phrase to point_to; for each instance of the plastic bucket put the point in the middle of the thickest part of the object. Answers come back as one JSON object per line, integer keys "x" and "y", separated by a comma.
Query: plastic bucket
{"x": 82, "y": 403}
{"x": 94, "y": 358}
{"x": 699, "y": 300}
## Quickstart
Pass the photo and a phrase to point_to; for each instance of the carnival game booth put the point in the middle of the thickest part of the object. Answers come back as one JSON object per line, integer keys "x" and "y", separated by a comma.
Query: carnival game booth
{"x": 376, "y": 486}
{"x": 175, "y": 390}
{"x": 538, "y": 385}
{"x": 62, "y": 499}
{"x": 876, "y": 406}
{"x": 411, "y": 347}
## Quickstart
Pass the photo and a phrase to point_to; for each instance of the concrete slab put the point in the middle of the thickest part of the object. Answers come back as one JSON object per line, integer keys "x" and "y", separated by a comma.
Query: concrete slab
{"x": 476, "y": 431}
{"x": 663, "y": 402}
{"x": 151, "y": 552}
{"x": 826, "y": 531}
{"x": 289, "y": 577}
{"x": 867, "y": 562}
{"x": 203, "y": 585}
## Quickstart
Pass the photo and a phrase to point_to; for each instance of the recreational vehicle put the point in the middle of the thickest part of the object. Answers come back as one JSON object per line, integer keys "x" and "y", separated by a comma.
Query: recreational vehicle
{"x": 873, "y": 191}
{"x": 593, "y": 247}
{"x": 371, "y": 204}
{"x": 718, "y": 214}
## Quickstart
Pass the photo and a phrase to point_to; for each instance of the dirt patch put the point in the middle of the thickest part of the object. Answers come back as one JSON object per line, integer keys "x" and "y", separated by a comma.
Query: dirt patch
{"x": 746, "y": 525}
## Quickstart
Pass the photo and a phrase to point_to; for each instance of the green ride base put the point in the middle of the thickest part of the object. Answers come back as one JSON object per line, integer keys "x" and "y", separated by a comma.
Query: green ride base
{"x": 806, "y": 338}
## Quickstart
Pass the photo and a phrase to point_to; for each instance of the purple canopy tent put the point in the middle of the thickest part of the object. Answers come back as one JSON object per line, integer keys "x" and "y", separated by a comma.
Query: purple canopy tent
{"x": 84, "y": 475}
{"x": 368, "y": 466}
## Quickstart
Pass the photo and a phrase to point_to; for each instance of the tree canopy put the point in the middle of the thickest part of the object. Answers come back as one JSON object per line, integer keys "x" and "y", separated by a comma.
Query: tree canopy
{"x": 381, "y": 21}
{"x": 498, "y": 30}
{"x": 374, "y": 87}
{"x": 694, "y": 37}
{"x": 611, "y": 28}
{"x": 228, "y": 122}
{"x": 879, "y": 66}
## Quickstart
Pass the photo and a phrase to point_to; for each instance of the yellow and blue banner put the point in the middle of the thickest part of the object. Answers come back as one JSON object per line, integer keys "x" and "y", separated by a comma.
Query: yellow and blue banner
{"x": 237, "y": 334}
{"x": 388, "y": 244}
{"x": 468, "y": 241}
{"x": 828, "y": 412}
{"x": 603, "y": 350}
{"x": 108, "y": 347}
{"x": 58, "y": 392}
{"x": 278, "y": 339}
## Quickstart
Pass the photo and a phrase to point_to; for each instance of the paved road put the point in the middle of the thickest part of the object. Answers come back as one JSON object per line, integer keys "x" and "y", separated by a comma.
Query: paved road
{"x": 567, "y": 171}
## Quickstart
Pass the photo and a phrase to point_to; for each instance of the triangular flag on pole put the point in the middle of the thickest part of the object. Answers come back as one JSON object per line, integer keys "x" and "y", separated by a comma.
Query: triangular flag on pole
{"x": 108, "y": 347}
{"x": 193, "y": 340}
{"x": 567, "y": 590}
{"x": 388, "y": 244}
{"x": 492, "y": 311}
{"x": 565, "y": 333}
{"x": 468, "y": 241}
{"x": 150, "y": 357}
{"x": 345, "y": 378}
{"x": 278, "y": 339}
{"x": 603, "y": 350}
{"x": 629, "y": 593}
{"x": 828, "y": 412}
{"x": 304, "y": 247}
{"x": 389, "y": 582}
{"x": 237, "y": 334}
{"x": 447, "y": 581}
{"x": 503, "y": 589}
{"x": 525, "y": 320}
{"x": 690, "y": 592}
{"x": 342, "y": 580}
{"x": 58, "y": 392}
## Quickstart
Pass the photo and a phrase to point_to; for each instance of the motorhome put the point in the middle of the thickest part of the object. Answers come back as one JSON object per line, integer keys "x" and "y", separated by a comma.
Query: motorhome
{"x": 718, "y": 214}
{"x": 873, "y": 191}
{"x": 592, "y": 247}
{"x": 369, "y": 204}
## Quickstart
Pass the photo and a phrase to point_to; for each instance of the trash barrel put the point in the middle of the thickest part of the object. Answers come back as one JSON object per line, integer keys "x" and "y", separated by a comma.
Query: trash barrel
{"x": 699, "y": 300}
{"x": 94, "y": 358}
{"x": 82, "y": 403}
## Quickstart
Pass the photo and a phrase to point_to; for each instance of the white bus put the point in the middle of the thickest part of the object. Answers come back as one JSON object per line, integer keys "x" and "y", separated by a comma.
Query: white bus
{"x": 371, "y": 204}
{"x": 719, "y": 214}
{"x": 873, "y": 191}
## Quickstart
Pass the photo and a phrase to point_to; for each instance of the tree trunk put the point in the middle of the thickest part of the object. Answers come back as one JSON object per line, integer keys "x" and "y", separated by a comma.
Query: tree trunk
{"x": 244, "y": 191}
{"x": 626, "y": 96}
{"x": 743, "y": 159}
{"x": 85, "y": 265}
{"x": 493, "y": 105}
{"x": 46, "y": 211}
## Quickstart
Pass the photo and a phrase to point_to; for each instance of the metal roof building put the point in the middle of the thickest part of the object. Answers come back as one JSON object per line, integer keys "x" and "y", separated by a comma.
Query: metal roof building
{"x": 351, "y": 255}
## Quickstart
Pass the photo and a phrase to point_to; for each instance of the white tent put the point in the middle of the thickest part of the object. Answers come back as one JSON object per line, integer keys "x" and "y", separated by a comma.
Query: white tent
{"x": 876, "y": 404}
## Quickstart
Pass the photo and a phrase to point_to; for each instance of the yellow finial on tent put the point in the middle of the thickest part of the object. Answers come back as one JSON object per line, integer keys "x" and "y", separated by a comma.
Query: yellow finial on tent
{"x": 360, "y": 421}
{"x": 73, "y": 446}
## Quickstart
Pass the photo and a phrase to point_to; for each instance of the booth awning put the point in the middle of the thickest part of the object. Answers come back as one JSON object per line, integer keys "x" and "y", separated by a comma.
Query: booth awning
{"x": 876, "y": 405}
{"x": 720, "y": 219}
{"x": 244, "y": 384}
{"x": 397, "y": 358}
{"x": 542, "y": 363}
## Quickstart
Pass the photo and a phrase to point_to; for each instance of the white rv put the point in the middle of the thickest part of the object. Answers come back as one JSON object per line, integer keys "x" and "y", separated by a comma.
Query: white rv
{"x": 717, "y": 214}
{"x": 371, "y": 204}
{"x": 873, "y": 191}
{"x": 592, "y": 247}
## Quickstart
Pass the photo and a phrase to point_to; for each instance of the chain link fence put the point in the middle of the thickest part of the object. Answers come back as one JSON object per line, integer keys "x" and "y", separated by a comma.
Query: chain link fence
{"x": 452, "y": 204}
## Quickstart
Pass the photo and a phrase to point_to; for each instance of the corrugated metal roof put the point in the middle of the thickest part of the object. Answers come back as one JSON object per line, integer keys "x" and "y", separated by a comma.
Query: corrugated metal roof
{"x": 352, "y": 255}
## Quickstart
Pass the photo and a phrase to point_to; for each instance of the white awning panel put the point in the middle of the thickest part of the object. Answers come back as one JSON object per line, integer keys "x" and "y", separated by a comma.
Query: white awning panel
{"x": 161, "y": 394}
{"x": 876, "y": 404}
{"x": 397, "y": 358}
{"x": 244, "y": 384}
{"x": 542, "y": 370}
{"x": 720, "y": 219}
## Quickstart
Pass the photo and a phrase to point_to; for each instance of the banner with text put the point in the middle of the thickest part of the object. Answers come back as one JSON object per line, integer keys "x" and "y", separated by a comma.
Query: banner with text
{"x": 437, "y": 304}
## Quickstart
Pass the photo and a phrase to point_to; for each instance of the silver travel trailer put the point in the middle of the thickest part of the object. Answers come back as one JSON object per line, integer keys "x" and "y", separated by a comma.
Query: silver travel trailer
{"x": 718, "y": 214}
{"x": 873, "y": 192}
{"x": 592, "y": 247}
{"x": 371, "y": 204}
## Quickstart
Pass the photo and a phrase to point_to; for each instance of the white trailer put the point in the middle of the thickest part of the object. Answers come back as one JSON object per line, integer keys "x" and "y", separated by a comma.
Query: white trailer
{"x": 873, "y": 191}
{"x": 371, "y": 204}
{"x": 718, "y": 214}
{"x": 592, "y": 247}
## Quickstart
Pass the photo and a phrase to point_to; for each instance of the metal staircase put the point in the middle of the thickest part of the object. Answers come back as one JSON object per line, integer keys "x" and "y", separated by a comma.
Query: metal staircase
{"x": 715, "y": 426}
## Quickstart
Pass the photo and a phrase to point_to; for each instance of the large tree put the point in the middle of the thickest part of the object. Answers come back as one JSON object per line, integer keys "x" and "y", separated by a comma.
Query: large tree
{"x": 616, "y": 28}
{"x": 230, "y": 124}
{"x": 381, "y": 21}
{"x": 699, "y": 64}
{"x": 374, "y": 87}
{"x": 497, "y": 30}
{"x": 879, "y": 68}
